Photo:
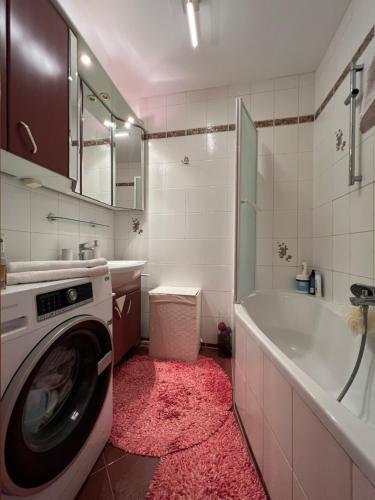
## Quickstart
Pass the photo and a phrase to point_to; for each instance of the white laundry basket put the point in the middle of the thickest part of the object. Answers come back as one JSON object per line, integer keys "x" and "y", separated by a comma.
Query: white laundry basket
{"x": 175, "y": 318}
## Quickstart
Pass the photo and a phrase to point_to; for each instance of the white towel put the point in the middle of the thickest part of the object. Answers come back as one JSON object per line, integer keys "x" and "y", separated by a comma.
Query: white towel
{"x": 55, "y": 274}
{"x": 367, "y": 118}
{"x": 49, "y": 265}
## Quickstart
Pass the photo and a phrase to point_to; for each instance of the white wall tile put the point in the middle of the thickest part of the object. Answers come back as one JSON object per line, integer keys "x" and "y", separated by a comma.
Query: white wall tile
{"x": 286, "y": 139}
{"x": 286, "y": 167}
{"x": 278, "y": 407}
{"x": 341, "y": 253}
{"x": 362, "y": 254}
{"x": 341, "y": 215}
{"x": 276, "y": 470}
{"x": 17, "y": 245}
{"x": 262, "y": 105}
{"x": 362, "y": 209}
{"x": 286, "y": 103}
{"x": 323, "y": 471}
{"x": 362, "y": 488}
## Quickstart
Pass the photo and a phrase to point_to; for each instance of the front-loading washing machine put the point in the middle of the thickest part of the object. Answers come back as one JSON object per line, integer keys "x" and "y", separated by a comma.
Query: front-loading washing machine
{"x": 56, "y": 385}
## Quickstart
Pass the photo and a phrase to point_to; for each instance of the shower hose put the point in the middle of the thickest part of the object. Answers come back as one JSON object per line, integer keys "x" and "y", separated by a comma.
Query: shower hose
{"x": 359, "y": 357}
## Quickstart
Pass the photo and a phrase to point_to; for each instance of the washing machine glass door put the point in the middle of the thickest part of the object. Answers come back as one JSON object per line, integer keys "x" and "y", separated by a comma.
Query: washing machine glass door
{"x": 53, "y": 402}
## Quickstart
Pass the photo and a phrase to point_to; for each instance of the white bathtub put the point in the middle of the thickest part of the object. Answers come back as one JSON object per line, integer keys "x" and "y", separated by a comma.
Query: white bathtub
{"x": 293, "y": 355}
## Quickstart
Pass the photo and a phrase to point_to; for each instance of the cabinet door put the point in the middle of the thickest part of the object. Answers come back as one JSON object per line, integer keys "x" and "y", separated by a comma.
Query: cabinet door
{"x": 127, "y": 329}
{"x": 38, "y": 87}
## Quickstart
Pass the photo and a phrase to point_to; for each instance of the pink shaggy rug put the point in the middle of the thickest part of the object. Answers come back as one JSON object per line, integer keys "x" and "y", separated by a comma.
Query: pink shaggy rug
{"x": 162, "y": 406}
{"x": 216, "y": 469}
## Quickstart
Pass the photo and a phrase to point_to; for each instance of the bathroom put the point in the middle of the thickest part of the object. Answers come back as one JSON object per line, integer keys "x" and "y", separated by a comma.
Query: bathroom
{"x": 187, "y": 204}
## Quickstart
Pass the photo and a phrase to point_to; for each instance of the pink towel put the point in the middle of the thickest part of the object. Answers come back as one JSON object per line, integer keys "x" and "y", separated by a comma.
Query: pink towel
{"x": 367, "y": 118}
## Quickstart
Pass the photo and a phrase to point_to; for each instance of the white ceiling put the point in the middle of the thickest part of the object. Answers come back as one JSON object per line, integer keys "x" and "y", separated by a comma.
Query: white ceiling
{"x": 144, "y": 45}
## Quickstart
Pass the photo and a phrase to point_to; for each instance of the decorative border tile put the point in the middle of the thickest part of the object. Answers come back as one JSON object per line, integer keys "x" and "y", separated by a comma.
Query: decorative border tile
{"x": 277, "y": 121}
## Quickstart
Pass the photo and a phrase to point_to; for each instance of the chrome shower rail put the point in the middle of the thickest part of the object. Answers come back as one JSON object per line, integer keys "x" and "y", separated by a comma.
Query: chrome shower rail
{"x": 92, "y": 223}
{"x": 351, "y": 100}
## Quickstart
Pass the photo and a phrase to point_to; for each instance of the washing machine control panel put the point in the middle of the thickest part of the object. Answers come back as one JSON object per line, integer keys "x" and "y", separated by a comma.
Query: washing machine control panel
{"x": 59, "y": 301}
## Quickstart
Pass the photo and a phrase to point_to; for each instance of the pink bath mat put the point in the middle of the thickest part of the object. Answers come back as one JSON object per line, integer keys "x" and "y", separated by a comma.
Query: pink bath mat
{"x": 161, "y": 406}
{"x": 216, "y": 469}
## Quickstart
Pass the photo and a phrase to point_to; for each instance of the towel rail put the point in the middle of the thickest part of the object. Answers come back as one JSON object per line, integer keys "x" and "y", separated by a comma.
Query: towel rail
{"x": 52, "y": 217}
{"x": 351, "y": 100}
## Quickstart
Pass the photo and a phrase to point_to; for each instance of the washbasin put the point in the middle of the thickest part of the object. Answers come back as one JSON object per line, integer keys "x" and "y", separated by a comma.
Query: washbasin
{"x": 124, "y": 271}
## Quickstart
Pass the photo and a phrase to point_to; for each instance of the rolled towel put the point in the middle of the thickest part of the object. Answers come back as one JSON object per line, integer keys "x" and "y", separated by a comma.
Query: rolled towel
{"x": 55, "y": 274}
{"x": 49, "y": 265}
{"x": 354, "y": 319}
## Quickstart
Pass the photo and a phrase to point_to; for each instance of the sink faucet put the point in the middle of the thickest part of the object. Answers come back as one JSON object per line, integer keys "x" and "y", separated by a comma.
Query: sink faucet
{"x": 85, "y": 251}
{"x": 364, "y": 295}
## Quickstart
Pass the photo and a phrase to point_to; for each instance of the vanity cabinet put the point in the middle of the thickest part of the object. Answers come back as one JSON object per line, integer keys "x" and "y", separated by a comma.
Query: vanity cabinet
{"x": 37, "y": 60}
{"x": 127, "y": 323}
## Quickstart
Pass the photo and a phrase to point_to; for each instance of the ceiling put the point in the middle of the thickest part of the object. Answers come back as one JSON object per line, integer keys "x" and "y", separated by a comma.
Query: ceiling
{"x": 144, "y": 45}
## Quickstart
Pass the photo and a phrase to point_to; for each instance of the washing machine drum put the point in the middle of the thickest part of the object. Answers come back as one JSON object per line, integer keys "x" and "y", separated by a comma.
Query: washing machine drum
{"x": 52, "y": 403}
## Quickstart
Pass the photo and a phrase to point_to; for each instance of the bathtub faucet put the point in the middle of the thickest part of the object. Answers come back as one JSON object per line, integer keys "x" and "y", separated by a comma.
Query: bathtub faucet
{"x": 364, "y": 295}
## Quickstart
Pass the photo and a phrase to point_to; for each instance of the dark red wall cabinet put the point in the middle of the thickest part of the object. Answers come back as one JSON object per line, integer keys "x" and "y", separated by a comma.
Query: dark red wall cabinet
{"x": 127, "y": 327}
{"x": 37, "y": 84}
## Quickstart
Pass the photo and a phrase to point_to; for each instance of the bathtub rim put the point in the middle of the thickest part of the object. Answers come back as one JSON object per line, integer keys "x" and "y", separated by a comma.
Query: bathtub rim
{"x": 339, "y": 421}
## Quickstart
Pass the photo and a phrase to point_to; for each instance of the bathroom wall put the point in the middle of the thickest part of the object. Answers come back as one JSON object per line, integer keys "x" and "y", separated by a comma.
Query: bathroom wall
{"x": 29, "y": 236}
{"x": 188, "y": 227}
{"x": 343, "y": 215}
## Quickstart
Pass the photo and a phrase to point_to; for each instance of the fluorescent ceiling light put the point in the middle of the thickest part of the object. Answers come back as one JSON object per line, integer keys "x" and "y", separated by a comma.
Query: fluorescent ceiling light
{"x": 86, "y": 59}
{"x": 122, "y": 134}
{"x": 192, "y": 21}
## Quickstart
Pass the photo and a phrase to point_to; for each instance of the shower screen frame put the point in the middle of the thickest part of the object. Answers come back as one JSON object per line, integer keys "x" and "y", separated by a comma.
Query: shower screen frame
{"x": 240, "y": 107}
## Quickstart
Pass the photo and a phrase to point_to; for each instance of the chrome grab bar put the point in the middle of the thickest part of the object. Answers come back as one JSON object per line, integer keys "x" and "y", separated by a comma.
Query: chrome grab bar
{"x": 31, "y": 137}
{"x": 351, "y": 100}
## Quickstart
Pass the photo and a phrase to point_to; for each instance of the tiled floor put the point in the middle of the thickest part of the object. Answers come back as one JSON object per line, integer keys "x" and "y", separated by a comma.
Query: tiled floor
{"x": 118, "y": 475}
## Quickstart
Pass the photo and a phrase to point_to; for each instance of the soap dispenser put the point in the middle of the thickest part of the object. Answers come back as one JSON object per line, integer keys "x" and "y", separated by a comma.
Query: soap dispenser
{"x": 302, "y": 281}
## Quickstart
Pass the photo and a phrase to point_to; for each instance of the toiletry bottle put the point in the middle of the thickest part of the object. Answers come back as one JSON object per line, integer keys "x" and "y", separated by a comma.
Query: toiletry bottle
{"x": 302, "y": 281}
{"x": 312, "y": 283}
{"x": 96, "y": 249}
{"x": 318, "y": 284}
{"x": 3, "y": 266}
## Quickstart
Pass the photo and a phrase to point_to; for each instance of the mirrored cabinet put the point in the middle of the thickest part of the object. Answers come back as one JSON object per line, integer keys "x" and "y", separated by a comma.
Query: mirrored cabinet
{"x": 64, "y": 123}
{"x": 129, "y": 161}
{"x": 96, "y": 148}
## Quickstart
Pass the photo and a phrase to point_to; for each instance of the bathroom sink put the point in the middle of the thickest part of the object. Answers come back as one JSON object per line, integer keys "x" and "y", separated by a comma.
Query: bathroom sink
{"x": 124, "y": 271}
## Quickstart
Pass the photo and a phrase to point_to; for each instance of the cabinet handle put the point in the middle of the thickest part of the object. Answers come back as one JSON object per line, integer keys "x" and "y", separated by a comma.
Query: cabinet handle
{"x": 32, "y": 140}
{"x": 129, "y": 307}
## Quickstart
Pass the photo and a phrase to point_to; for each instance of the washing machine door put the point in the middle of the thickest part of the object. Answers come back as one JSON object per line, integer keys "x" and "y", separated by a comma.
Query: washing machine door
{"x": 52, "y": 403}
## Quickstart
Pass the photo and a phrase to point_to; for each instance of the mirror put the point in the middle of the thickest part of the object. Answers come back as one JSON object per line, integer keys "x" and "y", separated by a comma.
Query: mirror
{"x": 96, "y": 148}
{"x": 129, "y": 154}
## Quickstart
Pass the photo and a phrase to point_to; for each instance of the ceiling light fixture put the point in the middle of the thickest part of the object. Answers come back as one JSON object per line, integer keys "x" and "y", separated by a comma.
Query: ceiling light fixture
{"x": 192, "y": 21}
{"x": 85, "y": 59}
{"x": 127, "y": 125}
{"x": 109, "y": 124}
{"x": 131, "y": 119}
{"x": 122, "y": 134}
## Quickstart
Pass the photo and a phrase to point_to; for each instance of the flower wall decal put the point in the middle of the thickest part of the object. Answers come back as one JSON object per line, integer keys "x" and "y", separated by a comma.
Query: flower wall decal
{"x": 283, "y": 251}
{"x": 340, "y": 144}
{"x": 136, "y": 225}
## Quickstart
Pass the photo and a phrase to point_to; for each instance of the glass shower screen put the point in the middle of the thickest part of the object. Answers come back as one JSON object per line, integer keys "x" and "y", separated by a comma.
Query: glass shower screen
{"x": 246, "y": 171}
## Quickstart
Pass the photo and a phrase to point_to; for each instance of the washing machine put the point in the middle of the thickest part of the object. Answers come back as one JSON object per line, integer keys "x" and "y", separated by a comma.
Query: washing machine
{"x": 56, "y": 385}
